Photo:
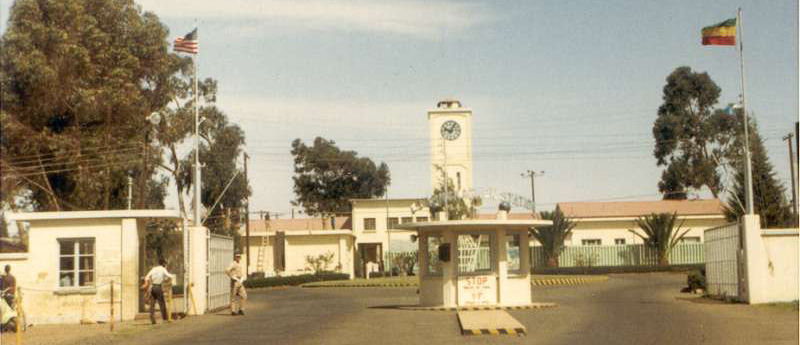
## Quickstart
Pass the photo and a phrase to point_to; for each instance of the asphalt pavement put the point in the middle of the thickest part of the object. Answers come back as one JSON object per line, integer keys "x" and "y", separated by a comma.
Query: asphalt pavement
{"x": 627, "y": 309}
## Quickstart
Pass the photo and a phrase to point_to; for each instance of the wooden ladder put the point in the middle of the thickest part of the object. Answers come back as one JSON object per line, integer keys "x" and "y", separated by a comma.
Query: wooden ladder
{"x": 262, "y": 251}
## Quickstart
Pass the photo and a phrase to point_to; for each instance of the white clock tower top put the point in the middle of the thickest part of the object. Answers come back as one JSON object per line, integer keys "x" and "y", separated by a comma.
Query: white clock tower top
{"x": 451, "y": 144}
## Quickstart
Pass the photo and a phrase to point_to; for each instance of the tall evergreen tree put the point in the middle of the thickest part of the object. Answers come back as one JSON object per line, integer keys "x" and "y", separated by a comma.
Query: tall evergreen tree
{"x": 769, "y": 200}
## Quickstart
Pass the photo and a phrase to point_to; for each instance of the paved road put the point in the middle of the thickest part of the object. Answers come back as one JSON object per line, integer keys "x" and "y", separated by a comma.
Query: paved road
{"x": 627, "y": 309}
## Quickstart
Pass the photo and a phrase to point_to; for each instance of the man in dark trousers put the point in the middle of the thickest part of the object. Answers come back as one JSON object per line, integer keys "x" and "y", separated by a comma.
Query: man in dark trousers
{"x": 158, "y": 275}
{"x": 9, "y": 283}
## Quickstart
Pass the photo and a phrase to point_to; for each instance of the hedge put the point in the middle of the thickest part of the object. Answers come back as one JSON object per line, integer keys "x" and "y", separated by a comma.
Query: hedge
{"x": 294, "y": 280}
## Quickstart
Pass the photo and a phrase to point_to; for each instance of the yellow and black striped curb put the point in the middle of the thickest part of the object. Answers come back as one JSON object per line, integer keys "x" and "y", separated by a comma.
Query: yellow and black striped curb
{"x": 486, "y": 307}
{"x": 567, "y": 281}
{"x": 493, "y": 331}
{"x": 381, "y": 285}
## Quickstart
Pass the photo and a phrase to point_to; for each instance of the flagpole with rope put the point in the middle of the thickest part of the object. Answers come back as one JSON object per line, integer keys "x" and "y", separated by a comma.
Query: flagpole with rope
{"x": 748, "y": 171}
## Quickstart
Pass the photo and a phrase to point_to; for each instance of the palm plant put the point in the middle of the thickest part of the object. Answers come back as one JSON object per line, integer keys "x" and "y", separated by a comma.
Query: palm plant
{"x": 660, "y": 234}
{"x": 552, "y": 237}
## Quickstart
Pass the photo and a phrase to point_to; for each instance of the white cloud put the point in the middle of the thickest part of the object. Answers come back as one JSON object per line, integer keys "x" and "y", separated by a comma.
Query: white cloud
{"x": 415, "y": 18}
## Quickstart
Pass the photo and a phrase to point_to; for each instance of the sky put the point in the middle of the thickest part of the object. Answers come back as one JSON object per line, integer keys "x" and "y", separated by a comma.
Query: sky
{"x": 570, "y": 88}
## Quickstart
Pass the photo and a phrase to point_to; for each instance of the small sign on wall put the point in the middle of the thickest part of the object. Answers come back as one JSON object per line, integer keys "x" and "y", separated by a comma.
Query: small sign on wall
{"x": 477, "y": 290}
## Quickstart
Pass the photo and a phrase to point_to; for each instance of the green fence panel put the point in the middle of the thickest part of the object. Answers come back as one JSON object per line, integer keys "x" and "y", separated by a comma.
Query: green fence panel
{"x": 619, "y": 255}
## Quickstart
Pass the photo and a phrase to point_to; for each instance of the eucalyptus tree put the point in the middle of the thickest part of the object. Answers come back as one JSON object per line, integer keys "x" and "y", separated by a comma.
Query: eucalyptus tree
{"x": 690, "y": 136}
{"x": 78, "y": 80}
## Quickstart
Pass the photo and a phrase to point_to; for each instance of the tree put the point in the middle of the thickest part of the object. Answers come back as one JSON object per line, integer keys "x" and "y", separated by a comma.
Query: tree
{"x": 221, "y": 146}
{"x": 690, "y": 136}
{"x": 660, "y": 234}
{"x": 78, "y": 79}
{"x": 552, "y": 237}
{"x": 327, "y": 177}
{"x": 769, "y": 200}
{"x": 458, "y": 207}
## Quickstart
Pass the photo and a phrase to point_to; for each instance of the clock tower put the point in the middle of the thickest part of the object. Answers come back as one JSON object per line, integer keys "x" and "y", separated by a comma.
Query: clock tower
{"x": 451, "y": 145}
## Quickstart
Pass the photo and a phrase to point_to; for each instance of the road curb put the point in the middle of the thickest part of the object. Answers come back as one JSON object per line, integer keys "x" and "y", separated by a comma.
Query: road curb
{"x": 475, "y": 308}
{"x": 567, "y": 281}
{"x": 361, "y": 285}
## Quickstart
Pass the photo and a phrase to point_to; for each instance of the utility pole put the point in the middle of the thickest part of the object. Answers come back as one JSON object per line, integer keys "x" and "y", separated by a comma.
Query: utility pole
{"x": 532, "y": 174}
{"x": 130, "y": 191}
{"x": 793, "y": 176}
{"x": 246, "y": 219}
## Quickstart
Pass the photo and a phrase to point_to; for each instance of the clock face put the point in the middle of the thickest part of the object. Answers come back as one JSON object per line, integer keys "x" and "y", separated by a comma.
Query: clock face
{"x": 451, "y": 130}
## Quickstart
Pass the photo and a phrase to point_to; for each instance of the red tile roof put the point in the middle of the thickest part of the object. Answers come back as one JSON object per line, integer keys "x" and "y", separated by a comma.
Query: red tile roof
{"x": 259, "y": 225}
{"x": 640, "y": 208}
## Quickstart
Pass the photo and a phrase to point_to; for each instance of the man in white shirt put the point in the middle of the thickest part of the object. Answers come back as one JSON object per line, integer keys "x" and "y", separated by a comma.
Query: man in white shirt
{"x": 158, "y": 275}
{"x": 238, "y": 293}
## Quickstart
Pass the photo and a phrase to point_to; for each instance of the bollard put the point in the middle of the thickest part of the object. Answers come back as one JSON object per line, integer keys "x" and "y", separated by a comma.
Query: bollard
{"x": 18, "y": 308}
{"x": 111, "y": 322}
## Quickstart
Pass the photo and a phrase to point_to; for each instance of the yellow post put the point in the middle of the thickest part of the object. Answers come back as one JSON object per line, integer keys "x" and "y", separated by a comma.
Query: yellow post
{"x": 191, "y": 297}
{"x": 169, "y": 304}
{"x": 18, "y": 308}
{"x": 112, "y": 306}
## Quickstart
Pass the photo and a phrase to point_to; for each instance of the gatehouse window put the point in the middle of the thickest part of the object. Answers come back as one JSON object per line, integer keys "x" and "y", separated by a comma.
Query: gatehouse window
{"x": 76, "y": 262}
{"x": 432, "y": 244}
{"x": 513, "y": 254}
{"x": 475, "y": 253}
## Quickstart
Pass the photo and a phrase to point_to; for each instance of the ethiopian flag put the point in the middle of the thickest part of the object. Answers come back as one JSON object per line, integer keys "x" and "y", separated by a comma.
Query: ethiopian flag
{"x": 722, "y": 34}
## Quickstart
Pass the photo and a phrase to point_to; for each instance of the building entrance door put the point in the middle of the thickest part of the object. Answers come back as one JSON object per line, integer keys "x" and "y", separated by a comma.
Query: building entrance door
{"x": 370, "y": 257}
{"x": 476, "y": 272}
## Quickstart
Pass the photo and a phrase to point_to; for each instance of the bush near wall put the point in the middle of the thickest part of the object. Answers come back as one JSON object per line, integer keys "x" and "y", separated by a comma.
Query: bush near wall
{"x": 294, "y": 280}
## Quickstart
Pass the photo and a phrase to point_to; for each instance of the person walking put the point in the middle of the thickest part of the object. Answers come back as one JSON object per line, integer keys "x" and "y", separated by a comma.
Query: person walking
{"x": 154, "y": 279}
{"x": 8, "y": 283}
{"x": 238, "y": 293}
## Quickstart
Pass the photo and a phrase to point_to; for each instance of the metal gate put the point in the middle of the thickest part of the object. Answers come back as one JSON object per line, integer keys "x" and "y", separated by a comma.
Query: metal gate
{"x": 220, "y": 255}
{"x": 722, "y": 251}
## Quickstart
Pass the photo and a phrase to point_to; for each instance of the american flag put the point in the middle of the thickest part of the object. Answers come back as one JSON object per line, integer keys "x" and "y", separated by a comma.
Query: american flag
{"x": 186, "y": 44}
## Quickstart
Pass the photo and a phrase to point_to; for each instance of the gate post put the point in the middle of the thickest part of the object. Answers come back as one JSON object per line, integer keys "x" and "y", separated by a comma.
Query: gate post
{"x": 755, "y": 263}
{"x": 199, "y": 264}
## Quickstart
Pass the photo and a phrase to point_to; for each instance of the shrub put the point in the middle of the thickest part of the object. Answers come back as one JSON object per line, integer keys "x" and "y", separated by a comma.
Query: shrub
{"x": 294, "y": 280}
{"x": 319, "y": 263}
{"x": 696, "y": 280}
{"x": 404, "y": 262}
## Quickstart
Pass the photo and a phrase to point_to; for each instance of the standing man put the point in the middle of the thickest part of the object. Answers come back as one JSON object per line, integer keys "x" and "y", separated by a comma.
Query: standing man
{"x": 238, "y": 293}
{"x": 157, "y": 276}
{"x": 9, "y": 283}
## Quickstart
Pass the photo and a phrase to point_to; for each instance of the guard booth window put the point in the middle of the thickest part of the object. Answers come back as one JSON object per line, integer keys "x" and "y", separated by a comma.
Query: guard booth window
{"x": 475, "y": 253}
{"x": 76, "y": 262}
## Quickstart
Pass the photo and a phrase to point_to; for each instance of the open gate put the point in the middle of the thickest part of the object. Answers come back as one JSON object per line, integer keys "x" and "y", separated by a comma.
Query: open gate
{"x": 220, "y": 255}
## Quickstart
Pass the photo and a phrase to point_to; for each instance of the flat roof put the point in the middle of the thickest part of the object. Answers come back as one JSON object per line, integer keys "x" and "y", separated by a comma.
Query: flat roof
{"x": 475, "y": 224}
{"x": 61, "y": 215}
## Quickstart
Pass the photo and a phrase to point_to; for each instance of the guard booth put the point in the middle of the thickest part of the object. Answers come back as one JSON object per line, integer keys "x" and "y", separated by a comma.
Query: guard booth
{"x": 474, "y": 262}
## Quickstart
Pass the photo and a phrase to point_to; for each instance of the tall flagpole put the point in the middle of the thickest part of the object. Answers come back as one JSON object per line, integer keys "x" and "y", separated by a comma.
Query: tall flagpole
{"x": 748, "y": 171}
{"x": 198, "y": 181}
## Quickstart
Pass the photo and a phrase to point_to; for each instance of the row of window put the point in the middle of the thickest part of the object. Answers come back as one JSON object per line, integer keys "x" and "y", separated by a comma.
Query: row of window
{"x": 369, "y": 223}
{"x": 621, "y": 241}
{"x": 473, "y": 253}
